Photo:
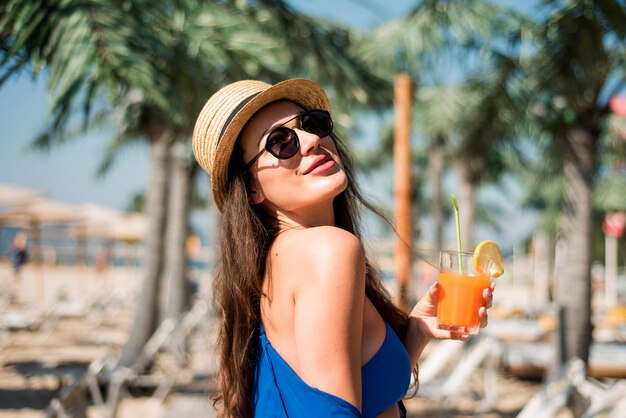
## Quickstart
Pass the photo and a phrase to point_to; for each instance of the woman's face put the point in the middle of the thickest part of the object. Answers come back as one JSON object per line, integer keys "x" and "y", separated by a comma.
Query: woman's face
{"x": 306, "y": 182}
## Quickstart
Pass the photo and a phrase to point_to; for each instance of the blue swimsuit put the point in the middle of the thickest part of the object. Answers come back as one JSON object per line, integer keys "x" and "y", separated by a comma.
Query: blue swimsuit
{"x": 279, "y": 391}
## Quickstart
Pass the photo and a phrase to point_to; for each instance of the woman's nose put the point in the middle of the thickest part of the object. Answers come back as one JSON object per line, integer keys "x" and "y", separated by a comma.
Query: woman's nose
{"x": 308, "y": 141}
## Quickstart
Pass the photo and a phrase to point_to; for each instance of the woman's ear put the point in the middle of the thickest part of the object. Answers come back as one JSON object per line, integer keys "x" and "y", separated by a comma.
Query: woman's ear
{"x": 255, "y": 193}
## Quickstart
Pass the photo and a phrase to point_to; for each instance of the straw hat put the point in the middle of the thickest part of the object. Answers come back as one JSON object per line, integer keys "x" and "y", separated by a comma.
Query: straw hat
{"x": 225, "y": 114}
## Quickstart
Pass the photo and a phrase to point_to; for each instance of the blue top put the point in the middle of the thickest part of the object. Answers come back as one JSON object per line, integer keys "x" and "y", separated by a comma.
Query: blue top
{"x": 280, "y": 392}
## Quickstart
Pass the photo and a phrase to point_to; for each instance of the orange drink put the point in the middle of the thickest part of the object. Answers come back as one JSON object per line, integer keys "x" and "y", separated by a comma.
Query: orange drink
{"x": 460, "y": 295}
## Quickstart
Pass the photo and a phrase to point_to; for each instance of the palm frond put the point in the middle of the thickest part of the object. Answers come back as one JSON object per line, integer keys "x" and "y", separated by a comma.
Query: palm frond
{"x": 609, "y": 193}
{"x": 572, "y": 51}
{"x": 112, "y": 151}
{"x": 612, "y": 14}
{"x": 376, "y": 157}
{"x": 439, "y": 28}
{"x": 438, "y": 109}
{"x": 321, "y": 50}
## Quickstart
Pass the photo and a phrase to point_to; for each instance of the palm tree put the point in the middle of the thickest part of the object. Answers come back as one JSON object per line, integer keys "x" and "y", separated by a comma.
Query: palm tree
{"x": 157, "y": 79}
{"x": 246, "y": 50}
{"x": 92, "y": 49}
{"x": 88, "y": 49}
{"x": 437, "y": 110}
{"x": 460, "y": 110}
{"x": 579, "y": 53}
{"x": 609, "y": 193}
{"x": 487, "y": 132}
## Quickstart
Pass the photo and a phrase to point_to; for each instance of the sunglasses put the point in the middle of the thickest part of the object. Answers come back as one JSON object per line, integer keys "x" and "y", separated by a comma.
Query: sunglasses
{"x": 283, "y": 143}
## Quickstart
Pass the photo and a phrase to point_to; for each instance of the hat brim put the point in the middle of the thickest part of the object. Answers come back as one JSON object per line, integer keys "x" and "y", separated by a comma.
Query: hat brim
{"x": 306, "y": 93}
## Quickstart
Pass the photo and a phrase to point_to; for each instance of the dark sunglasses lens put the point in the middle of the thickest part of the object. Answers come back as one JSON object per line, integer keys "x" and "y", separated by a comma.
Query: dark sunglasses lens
{"x": 282, "y": 143}
{"x": 317, "y": 122}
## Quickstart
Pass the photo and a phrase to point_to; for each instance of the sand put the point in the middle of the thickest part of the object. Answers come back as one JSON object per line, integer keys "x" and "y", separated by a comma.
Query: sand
{"x": 83, "y": 315}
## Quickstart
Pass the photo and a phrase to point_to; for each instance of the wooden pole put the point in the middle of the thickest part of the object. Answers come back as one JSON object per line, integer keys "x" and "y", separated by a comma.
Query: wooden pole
{"x": 402, "y": 179}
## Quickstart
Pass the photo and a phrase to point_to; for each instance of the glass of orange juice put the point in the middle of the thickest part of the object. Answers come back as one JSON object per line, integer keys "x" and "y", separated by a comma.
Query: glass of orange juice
{"x": 461, "y": 291}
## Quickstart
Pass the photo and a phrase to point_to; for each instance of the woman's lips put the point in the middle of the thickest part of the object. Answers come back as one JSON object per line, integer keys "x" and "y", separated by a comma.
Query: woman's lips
{"x": 320, "y": 165}
{"x": 323, "y": 167}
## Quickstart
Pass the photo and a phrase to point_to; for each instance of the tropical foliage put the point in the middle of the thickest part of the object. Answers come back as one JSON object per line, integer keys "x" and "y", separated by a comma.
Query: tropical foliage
{"x": 547, "y": 77}
{"x": 577, "y": 54}
{"x": 147, "y": 67}
{"x": 467, "y": 111}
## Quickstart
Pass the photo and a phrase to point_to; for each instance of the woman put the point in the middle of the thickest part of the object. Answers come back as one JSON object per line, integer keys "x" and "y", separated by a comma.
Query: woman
{"x": 306, "y": 326}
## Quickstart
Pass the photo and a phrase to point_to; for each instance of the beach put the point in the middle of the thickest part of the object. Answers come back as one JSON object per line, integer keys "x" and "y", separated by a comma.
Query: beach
{"x": 66, "y": 318}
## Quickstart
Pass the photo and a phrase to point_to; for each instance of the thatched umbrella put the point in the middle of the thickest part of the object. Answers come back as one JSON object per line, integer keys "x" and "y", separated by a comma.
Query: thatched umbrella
{"x": 109, "y": 225}
{"x": 29, "y": 209}
{"x": 33, "y": 215}
{"x": 98, "y": 222}
{"x": 14, "y": 196}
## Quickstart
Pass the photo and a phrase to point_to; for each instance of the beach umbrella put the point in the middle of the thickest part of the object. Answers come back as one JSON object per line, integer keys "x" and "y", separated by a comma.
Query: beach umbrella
{"x": 110, "y": 225}
{"x": 41, "y": 211}
{"x": 92, "y": 221}
{"x": 129, "y": 228}
{"x": 33, "y": 215}
{"x": 11, "y": 195}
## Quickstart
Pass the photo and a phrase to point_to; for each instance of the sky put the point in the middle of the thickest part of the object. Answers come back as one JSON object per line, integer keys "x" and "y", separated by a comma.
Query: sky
{"x": 68, "y": 171}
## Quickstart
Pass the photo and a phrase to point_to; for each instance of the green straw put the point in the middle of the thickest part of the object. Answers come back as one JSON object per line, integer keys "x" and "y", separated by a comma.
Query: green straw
{"x": 458, "y": 232}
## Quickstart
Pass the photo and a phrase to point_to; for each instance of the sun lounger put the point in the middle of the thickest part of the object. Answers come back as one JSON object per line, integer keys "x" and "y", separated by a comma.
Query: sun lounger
{"x": 605, "y": 400}
{"x": 73, "y": 399}
{"x": 483, "y": 351}
{"x": 439, "y": 358}
{"x": 28, "y": 319}
{"x": 555, "y": 390}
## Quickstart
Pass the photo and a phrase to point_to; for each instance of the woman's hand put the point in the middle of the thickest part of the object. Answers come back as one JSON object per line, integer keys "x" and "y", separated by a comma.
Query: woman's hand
{"x": 423, "y": 321}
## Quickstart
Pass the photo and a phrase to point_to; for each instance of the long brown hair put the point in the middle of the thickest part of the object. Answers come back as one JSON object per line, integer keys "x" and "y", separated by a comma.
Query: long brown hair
{"x": 246, "y": 234}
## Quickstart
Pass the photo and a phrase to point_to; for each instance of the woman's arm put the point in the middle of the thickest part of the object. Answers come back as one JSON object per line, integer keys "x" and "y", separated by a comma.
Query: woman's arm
{"x": 423, "y": 322}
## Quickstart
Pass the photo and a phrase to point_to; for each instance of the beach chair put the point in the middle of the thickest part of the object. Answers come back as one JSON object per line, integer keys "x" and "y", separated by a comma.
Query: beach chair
{"x": 94, "y": 299}
{"x": 439, "y": 358}
{"x": 169, "y": 337}
{"x": 568, "y": 387}
{"x": 73, "y": 400}
{"x": 555, "y": 391}
{"x": 29, "y": 319}
{"x": 484, "y": 351}
{"x": 603, "y": 399}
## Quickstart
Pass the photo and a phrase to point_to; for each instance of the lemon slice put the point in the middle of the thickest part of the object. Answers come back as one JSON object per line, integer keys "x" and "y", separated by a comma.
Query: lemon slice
{"x": 488, "y": 251}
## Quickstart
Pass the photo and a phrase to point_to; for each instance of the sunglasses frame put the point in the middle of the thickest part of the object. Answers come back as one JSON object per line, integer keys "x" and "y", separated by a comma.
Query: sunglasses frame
{"x": 294, "y": 134}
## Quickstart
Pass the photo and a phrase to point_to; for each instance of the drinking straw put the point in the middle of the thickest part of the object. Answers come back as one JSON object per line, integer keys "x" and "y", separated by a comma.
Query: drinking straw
{"x": 458, "y": 232}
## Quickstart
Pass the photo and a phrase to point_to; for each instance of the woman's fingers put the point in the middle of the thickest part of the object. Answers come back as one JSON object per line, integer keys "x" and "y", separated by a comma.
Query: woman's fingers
{"x": 482, "y": 315}
{"x": 462, "y": 336}
{"x": 450, "y": 335}
{"x": 488, "y": 295}
{"x": 482, "y": 312}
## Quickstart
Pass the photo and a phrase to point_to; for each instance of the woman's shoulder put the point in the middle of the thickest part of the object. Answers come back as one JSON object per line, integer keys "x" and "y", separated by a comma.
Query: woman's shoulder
{"x": 321, "y": 239}
{"x": 319, "y": 254}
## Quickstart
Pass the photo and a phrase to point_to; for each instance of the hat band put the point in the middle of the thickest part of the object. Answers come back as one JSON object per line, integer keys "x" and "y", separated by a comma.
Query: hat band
{"x": 234, "y": 113}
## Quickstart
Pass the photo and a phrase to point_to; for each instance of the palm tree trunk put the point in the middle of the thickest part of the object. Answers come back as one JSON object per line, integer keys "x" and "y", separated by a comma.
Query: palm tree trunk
{"x": 574, "y": 288}
{"x": 145, "y": 318}
{"x": 175, "y": 280}
{"x": 466, "y": 198}
{"x": 435, "y": 171}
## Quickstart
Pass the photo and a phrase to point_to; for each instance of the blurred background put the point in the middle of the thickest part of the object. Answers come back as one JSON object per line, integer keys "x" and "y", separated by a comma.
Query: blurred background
{"x": 107, "y": 224}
